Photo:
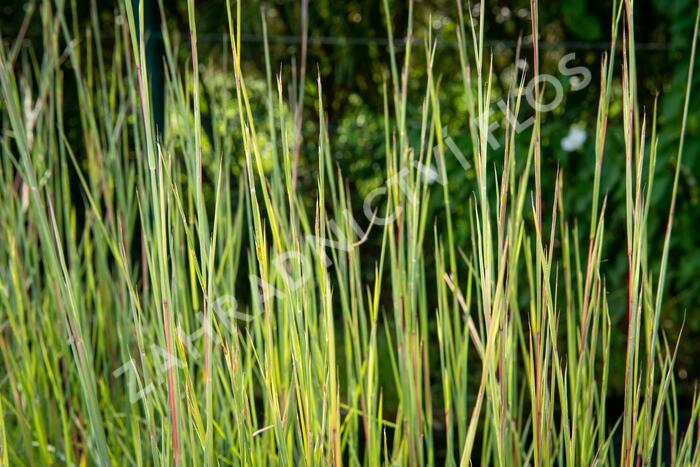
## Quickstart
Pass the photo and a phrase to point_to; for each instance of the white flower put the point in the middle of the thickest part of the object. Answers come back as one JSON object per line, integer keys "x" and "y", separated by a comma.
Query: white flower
{"x": 574, "y": 140}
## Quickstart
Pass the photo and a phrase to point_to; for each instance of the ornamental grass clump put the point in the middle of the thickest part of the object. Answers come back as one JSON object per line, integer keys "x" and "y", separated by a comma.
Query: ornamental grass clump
{"x": 173, "y": 296}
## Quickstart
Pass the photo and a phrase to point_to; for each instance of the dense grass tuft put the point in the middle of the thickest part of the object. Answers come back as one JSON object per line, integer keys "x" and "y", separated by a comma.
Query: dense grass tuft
{"x": 167, "y": 297}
